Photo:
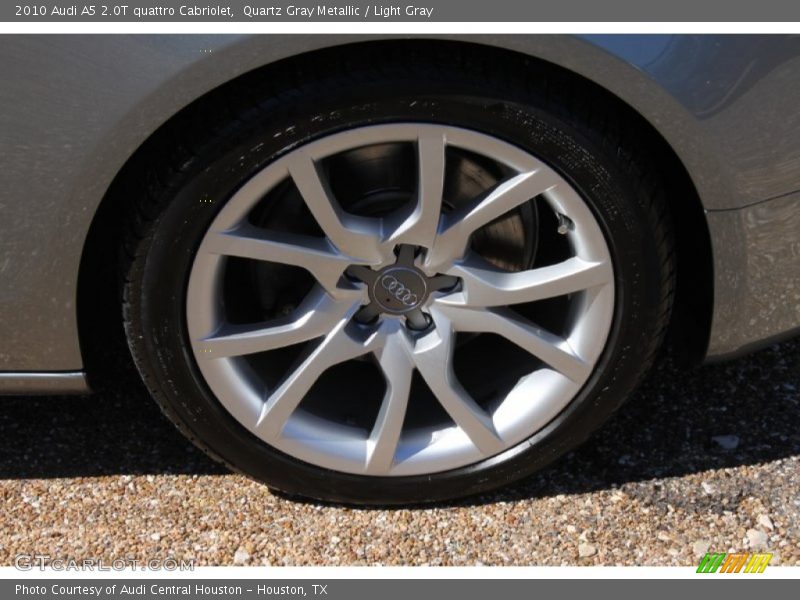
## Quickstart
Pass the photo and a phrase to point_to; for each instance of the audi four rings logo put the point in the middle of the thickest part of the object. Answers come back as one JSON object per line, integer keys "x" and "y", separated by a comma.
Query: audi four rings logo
{"x": 398, "y": 290}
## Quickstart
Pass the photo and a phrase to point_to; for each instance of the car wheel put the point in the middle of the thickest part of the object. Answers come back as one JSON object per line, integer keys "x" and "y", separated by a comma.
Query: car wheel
{"x": 399, "y": 291}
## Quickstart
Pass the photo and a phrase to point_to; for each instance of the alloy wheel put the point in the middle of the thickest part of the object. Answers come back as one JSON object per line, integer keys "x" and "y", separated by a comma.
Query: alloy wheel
{"x": 400, "y": 282}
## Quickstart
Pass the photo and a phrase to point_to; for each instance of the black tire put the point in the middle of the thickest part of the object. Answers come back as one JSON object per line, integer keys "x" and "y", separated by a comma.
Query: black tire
{"x": 600, "y": 161}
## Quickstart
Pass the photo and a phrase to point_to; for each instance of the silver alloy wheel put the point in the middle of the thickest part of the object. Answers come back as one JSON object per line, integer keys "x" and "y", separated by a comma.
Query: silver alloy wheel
{"x": 433, "y": 287}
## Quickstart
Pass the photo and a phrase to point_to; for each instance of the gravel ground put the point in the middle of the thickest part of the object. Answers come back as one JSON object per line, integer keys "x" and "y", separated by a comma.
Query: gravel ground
{"x": 708, "y": 459}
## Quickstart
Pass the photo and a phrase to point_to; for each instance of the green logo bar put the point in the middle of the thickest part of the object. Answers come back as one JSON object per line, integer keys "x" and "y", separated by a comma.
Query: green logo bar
{"x": 711, "y": 562}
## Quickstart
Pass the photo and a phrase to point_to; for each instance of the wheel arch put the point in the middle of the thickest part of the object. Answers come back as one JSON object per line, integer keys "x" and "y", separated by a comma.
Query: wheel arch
{"x": 98, "y": 301}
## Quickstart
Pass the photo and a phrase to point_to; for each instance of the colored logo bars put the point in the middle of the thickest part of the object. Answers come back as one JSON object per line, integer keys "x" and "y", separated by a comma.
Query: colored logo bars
{"x": 744, "y": 562}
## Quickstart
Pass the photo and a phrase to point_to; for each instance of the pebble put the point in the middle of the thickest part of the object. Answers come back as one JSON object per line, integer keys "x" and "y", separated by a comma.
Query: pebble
{"x": 700, "y": 547}
{"x": 241, "y": 557}
{"x": 766, "y": 522}
{"x": 757, "y": 539}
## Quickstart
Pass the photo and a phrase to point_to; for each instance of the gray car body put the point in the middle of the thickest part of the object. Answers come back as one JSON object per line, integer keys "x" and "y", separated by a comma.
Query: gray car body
{"x": 74, "y": 109}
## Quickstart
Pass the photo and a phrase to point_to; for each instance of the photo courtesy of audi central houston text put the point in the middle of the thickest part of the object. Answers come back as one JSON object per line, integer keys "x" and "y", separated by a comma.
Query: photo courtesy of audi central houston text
{"x": 392, "y": 270}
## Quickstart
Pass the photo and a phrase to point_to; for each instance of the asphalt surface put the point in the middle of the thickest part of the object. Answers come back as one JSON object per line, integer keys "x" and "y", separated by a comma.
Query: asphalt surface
{"x": 701, "y": 460}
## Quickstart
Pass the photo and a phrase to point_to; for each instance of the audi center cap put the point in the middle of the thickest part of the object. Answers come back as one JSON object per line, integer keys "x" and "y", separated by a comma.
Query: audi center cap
{"x": 399, "y": 289}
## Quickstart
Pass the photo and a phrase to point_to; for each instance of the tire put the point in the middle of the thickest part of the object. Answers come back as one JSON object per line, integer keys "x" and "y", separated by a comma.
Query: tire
{"x": 171, "y": 270}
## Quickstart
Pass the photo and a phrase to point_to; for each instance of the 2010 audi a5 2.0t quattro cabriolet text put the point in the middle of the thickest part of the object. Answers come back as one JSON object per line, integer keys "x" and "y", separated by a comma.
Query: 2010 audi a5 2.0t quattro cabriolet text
{"x": 393, "y": 270}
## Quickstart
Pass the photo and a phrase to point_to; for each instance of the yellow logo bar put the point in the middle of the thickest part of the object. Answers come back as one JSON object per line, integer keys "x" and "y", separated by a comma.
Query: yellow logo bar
{"x": 758, "y": 563}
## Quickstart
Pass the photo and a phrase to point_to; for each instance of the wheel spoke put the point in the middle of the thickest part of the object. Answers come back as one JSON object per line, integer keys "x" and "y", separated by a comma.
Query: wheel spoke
{"x": 482, "y": 286}
{"x": 352, "y": 235}
{"x": 338, "y": 346}
{"x": 315, "y": 255}
{"x": 398, "y": 369}
{"x": 460, "y": 224}
{"x": 433, "y": 357}
{"x": 547, "y": 347}
{"x": 420, "y": 226}
{"x": 316, "y": 316}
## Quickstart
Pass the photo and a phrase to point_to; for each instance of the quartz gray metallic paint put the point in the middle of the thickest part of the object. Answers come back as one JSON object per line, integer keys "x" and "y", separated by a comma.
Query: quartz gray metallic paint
{"x": 73, "y": 109}
{"x": 760, "y": 275}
